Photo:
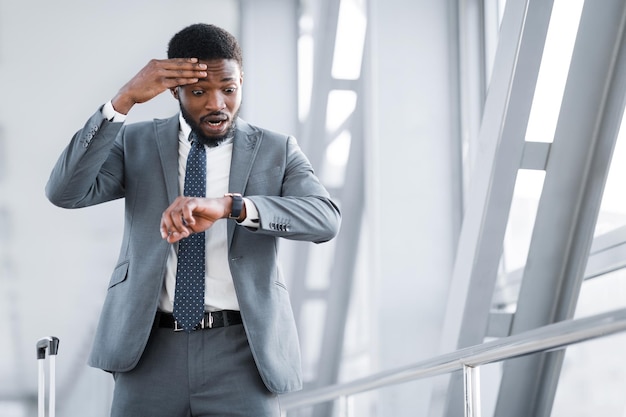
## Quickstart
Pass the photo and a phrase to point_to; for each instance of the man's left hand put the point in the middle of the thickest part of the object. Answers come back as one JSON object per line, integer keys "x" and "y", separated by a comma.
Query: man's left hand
{"x": 187, "y": 215}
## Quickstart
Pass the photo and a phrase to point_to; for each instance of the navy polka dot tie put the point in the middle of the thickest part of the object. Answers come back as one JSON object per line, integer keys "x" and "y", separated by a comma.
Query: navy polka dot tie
{"x": 189, "y": 296}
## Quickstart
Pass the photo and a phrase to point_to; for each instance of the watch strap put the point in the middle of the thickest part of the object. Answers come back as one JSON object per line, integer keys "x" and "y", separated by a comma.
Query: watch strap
{"x": 235, "y": 212}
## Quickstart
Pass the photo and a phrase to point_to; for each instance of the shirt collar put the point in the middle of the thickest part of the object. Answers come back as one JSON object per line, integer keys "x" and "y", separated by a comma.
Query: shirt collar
{"x": 185, "y": 129}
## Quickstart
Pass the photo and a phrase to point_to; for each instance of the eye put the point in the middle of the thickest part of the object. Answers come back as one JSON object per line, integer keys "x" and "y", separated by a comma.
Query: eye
{"x": 230, "y": 90}
{"x": 197, "y": 92}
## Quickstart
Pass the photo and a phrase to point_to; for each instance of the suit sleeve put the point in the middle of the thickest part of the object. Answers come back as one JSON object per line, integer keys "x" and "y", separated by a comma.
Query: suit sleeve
{"x": 304, "y": 210}
{"x": 90, "y": 170}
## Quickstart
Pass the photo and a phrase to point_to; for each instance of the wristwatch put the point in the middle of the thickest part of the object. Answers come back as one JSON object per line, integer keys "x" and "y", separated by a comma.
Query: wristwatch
{"x": 235, "y": 212}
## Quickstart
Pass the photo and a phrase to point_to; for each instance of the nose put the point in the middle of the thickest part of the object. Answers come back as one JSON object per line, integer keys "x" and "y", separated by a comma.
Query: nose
{"x": 214, "y": 101}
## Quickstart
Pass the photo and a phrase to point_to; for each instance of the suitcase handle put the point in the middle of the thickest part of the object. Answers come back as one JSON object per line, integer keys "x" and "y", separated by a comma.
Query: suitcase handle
{"x": 51, "y": 344}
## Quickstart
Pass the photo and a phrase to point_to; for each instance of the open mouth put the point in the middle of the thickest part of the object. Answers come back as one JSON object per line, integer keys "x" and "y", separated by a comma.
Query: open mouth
{"x": 215, "y": 123}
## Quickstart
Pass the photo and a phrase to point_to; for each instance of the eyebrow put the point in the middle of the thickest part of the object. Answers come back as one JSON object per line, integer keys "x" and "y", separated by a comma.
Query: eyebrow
{"x": 223, "y": 80}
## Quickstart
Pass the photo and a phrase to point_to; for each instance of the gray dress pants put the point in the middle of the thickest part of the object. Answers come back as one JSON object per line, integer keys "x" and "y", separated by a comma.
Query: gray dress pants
{"x": 204, "y": 373}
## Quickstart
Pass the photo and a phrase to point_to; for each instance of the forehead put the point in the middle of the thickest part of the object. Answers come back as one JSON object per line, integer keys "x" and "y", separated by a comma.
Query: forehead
{"x": 221, "y": 70}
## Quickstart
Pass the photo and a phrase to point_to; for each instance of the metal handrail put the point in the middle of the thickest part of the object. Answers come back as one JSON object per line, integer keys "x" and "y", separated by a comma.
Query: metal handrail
{"x": 550, "y": 337}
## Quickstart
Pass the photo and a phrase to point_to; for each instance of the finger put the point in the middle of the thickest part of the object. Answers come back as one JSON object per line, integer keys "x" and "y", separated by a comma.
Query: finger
{"x": 166, "y": 233}
{"x": 190, "y": 68}
{"x": 181, "y": 65}
{"x": 166, "y": 229}
{"x": 168, "y": 223}
{"x": 179, "y": 82}
{"x": 183, "y": 72}
{"x": 182, "y": 76}
{"x": 186, "y": 214}
{"x": 178, "y": 225}
{"x": 186, "y": 62}
{"x": 174, "y": 237}
{"x": 171, "y": 73}
{"x": 178, "y": 61}
{"x": 178, "y": 78}
{"x": 177, "y": 220}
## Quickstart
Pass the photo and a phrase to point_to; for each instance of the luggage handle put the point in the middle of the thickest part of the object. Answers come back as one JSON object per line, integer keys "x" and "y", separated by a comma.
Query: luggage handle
{"x": 51, "y": 344}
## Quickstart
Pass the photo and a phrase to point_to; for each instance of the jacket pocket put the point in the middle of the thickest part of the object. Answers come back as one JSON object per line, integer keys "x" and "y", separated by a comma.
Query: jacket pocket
{"x": 119, "y": 274}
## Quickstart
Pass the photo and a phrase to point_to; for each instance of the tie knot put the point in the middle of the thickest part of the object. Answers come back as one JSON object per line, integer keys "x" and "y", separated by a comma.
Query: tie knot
{"x": 193, "y": 139}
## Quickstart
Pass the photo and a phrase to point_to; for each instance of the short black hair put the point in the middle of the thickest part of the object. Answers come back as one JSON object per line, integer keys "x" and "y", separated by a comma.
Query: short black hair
{"x": 205, "y": 42}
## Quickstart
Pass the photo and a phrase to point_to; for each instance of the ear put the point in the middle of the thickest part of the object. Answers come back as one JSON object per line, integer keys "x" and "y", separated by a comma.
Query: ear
{"x": 174, "y": 91}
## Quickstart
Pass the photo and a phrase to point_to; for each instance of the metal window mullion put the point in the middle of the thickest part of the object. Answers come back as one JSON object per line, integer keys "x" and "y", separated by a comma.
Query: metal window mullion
{"x": 501, "y": 138}
{"x": 577, "y": 168}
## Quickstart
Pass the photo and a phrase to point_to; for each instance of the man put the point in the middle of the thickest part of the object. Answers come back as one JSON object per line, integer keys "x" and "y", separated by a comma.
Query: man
{"x": 183, "y": 179}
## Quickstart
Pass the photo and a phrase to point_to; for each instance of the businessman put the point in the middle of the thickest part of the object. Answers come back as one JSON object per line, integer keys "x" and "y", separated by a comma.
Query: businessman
{"x": 197, "y": 319}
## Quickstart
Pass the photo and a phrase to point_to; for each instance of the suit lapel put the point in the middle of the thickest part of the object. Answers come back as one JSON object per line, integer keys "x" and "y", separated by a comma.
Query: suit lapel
{"x": 166, "y": 134}
{"x": 245, "y": 147}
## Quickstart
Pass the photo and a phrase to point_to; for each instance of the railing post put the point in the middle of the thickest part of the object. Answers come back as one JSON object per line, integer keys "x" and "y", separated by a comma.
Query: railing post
{"x": 471, "y": 384}
{"x": 344, "y": 406}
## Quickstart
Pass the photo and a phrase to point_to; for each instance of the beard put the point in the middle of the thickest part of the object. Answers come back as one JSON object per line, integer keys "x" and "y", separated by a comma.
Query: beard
{"x": 210, "y": 141}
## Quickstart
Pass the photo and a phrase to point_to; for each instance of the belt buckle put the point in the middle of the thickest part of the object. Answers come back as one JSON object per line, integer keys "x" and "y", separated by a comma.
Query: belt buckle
{"x": 204, "y": 323}
{"x": 176, "y": 327}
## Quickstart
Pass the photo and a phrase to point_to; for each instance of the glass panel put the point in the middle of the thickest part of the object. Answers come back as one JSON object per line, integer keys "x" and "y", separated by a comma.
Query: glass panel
{"x": 350, "y": 40}
{"x": 333, "y": 170}
{"x": 602, "y": 294}
{"x": 593, "y": 373}
{"x": 341, "y": 106}
{"x": 555, "y": 62}
{"x": 613, "y": 208}
{"x": 517, "y": 238}
{"x": 413, "y": 398}
{"x": 592, "y": 380}
{"x": 305, "y": 66}
{"x": 519, "y": 229}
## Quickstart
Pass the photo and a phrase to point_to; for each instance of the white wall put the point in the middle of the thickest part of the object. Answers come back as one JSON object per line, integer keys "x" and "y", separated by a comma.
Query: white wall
{"x": 414, "y": 152}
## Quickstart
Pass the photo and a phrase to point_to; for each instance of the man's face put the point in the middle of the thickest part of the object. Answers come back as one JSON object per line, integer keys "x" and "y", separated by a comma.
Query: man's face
{"x": 211, "y": 105}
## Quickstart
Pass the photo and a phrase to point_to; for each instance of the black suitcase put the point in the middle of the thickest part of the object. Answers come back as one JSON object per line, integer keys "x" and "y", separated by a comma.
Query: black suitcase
{"x": 50, "y": 344}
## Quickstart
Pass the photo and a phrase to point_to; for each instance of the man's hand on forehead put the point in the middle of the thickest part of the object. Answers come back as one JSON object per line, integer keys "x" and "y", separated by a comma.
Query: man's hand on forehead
{"x": 156, "y": 77}
{"x": 185, "y": 70}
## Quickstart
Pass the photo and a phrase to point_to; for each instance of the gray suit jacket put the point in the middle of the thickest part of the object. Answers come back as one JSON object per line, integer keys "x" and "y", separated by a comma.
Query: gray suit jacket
{"x": 106, "y": 161}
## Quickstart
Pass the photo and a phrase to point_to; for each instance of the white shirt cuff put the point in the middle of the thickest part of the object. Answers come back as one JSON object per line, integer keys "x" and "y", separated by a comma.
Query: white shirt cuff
{"x": 252, "y": 215}
{"x": 110, "y": 114}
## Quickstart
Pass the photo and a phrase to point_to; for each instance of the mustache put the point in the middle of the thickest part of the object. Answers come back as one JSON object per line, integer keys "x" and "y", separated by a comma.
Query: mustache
{"x": 213, "y": 115}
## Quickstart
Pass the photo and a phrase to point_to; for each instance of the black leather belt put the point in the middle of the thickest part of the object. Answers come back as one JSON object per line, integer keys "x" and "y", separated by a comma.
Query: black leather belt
{"x": 210, "y": 320}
